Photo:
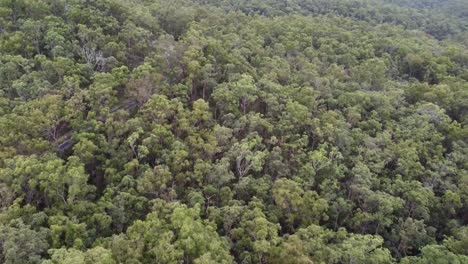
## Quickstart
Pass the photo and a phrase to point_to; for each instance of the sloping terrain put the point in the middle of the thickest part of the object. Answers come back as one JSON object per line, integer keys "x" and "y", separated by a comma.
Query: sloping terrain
{"x": 233, "y": 131}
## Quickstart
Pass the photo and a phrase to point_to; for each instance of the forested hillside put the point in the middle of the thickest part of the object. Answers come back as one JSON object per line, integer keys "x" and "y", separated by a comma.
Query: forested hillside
{"x": 251, "y": 131}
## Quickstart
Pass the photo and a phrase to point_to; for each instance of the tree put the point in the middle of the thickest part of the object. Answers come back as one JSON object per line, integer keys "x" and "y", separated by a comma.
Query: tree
{"x": 236, "y": 96}
{"x": 247, "y": 155}
{"x": 21, "y": 244}
{"x": 435, "y": 254}
{"x": 254, "y": 236}
{"x": 315, "y": 244}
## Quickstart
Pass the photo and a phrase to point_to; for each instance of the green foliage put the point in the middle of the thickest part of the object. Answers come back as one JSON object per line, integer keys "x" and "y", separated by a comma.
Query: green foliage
{"x": 260, "y": 131}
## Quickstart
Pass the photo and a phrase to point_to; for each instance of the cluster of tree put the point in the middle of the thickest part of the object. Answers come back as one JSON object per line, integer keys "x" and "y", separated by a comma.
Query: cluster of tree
{"x": 176, "y": 132}
{"x": 440, "y": 18}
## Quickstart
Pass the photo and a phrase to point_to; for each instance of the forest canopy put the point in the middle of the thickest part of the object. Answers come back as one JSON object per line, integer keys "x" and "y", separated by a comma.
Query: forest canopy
{"x": 250, "y": 131}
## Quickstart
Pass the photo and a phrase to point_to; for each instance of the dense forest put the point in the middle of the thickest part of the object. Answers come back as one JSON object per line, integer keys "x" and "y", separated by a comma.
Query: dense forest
{"x": 222, "y": 131}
